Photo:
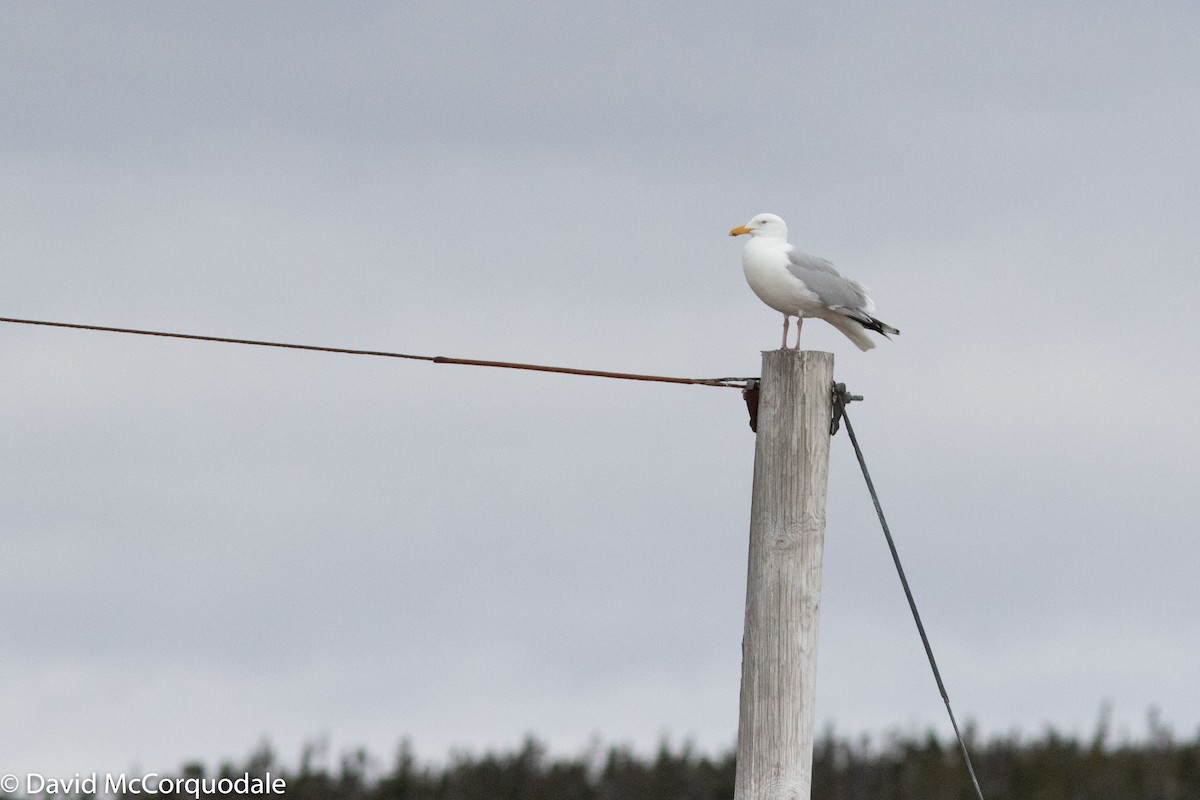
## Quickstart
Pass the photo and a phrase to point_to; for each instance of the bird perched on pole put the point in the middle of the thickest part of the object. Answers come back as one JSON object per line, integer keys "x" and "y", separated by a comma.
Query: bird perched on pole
{"x": 800, "y": 285}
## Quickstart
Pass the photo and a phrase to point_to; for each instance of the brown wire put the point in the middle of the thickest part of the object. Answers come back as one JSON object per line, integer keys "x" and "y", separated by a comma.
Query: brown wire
{"x": 732, "y": 383}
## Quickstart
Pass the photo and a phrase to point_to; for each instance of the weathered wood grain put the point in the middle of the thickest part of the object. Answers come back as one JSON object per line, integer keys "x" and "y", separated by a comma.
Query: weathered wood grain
{"x": 783, "y": 584}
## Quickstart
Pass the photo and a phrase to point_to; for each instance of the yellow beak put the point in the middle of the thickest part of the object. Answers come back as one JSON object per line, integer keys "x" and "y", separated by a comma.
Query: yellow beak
{"x": 739, "y": 230}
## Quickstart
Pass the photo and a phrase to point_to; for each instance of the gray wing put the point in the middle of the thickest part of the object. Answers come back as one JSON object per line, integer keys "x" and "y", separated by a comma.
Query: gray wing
{"x": 836, "y": 292}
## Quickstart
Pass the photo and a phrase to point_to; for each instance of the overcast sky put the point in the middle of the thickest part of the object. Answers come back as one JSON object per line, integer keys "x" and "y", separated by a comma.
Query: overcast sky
{"x": 207, "y": 545}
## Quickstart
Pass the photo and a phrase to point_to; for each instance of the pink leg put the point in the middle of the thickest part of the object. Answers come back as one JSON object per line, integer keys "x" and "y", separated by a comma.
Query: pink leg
{"x": 799, "y": 322}
{"x": 785, "y": 332}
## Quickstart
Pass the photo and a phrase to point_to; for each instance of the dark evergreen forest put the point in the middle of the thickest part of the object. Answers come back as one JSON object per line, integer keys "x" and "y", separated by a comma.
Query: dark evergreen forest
{"x": 1049, "y": 767}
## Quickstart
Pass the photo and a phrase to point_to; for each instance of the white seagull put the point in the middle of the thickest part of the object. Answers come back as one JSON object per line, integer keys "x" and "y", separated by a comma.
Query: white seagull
{"x": 800, "y": 285}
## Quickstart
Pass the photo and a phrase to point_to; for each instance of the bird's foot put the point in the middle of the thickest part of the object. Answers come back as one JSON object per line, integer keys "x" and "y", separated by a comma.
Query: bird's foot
{"x": 799, "y": 323}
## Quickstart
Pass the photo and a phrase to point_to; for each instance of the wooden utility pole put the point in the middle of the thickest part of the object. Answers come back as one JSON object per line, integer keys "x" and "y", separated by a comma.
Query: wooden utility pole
{"x": 783, "y": 584}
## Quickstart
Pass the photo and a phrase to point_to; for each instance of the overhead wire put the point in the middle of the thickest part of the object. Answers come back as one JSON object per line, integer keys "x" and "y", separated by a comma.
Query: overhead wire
{"x": 731, "y": 383}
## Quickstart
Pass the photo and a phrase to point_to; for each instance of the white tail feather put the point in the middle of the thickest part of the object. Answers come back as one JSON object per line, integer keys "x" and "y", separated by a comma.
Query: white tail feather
{"x": 853, "y": 330}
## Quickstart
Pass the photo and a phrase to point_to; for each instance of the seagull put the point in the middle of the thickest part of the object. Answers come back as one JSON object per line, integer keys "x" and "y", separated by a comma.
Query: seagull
{"x": 800, "y": 285}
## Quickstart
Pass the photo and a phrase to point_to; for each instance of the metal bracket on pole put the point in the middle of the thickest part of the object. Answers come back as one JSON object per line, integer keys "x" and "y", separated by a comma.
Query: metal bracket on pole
{"x": 750, "y": 395}
{"x": 840, "y": 398}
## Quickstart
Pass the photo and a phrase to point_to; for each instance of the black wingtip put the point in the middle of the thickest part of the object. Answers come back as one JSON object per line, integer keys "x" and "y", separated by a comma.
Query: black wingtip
{"x": 872, "y": 324}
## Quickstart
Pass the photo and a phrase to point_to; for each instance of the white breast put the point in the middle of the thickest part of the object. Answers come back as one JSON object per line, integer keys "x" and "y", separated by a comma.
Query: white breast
{"x": 765, "y": 264}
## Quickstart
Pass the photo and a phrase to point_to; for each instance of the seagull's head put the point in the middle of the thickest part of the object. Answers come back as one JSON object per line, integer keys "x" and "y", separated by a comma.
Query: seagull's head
{"x": 770, "y": 226}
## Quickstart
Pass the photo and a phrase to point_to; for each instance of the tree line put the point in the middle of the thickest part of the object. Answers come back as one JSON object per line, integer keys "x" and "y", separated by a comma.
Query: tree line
{"x": 897, "y": 767}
